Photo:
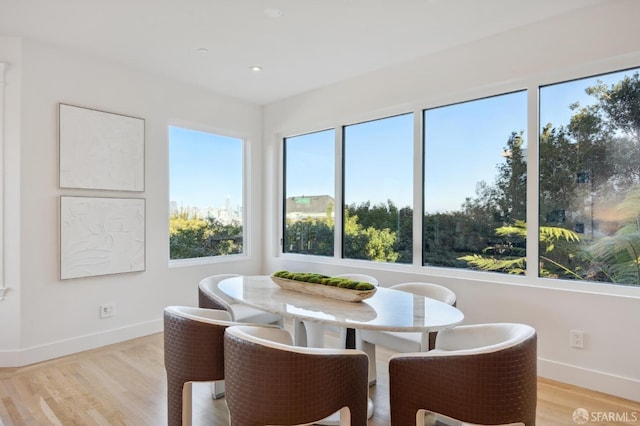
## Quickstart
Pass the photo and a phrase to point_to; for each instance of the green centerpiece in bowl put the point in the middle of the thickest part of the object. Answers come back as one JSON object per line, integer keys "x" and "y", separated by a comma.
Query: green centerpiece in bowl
{"x": 324, "y": 285}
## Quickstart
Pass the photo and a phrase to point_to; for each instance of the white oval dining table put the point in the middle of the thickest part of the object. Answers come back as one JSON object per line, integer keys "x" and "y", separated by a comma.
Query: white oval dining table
{"x": 386, "y": 310}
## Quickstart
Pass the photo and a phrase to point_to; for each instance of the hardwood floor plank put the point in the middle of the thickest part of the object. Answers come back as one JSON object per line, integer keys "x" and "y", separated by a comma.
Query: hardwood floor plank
{"x": 10, "y": 412}
{"x": 125, "y": 384}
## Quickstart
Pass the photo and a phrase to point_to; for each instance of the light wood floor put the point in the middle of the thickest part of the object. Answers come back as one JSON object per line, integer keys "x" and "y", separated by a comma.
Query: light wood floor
{"x": 125, "y": 384}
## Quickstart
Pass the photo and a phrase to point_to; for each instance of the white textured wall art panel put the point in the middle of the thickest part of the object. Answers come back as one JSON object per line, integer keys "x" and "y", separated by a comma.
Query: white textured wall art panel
{"x": 100, "y": 150}
{"x": 100, "y": 236}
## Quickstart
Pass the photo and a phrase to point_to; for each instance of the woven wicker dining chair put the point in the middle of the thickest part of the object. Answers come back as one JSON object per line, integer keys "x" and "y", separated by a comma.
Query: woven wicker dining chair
{"x": 210, "y": 296}
{"x": 271, "y": 382}
{"x": 193, "y": 352}
{"x": 480, "y": 374}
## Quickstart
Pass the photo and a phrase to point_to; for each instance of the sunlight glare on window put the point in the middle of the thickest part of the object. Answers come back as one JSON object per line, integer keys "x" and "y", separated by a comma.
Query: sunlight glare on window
{"x": 590, "y": 179}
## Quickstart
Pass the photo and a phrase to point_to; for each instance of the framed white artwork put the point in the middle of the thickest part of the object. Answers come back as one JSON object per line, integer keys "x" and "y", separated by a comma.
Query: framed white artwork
{"x": 101, "y": 236}
{"x": 100, "y": 150}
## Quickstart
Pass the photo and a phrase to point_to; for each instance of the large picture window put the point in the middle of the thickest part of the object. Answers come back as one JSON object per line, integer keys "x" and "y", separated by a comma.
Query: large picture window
{"x": 590, "y": 179}
{"x": 475, "y": 176}
{"x": 206, "y": 194}
{"x": 475, "y": 184}
{"x": 309, "y": 193}
{"x": 378, "y": 190}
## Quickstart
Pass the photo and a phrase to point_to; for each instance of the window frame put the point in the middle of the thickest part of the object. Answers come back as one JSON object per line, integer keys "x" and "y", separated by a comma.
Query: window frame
{"x": 246, "y": 226}
{"x": 283, "y": 195}
{"x": 343, "y": 181}
{"x": 530, "y": 83}
{"x": 424, "y": 171}
{"x": 598, "y": 286}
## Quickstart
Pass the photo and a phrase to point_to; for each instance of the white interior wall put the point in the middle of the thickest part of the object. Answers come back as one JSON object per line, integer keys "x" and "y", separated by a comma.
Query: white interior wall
{"x": 10, "y": 55}
{"x": 563, "y": 48}
{"x": 49, "y": 317}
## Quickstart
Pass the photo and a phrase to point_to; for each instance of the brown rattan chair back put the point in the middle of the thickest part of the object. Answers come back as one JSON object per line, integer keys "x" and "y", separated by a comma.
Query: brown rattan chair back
{"x": 270, "y": 382}
{"x": 193, "y": 352}
{"x": 492, "y": 384}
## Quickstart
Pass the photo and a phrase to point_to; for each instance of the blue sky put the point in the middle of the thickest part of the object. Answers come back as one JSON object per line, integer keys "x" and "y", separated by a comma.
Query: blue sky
{"x": 378, "y": 161}
{"x": 205, "y": 168}
{"x": 311, "y": 164}
{"x": 464, "y": 145}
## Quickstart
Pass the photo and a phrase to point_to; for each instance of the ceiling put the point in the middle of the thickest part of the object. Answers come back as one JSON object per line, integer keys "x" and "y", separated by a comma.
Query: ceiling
{"x": 301, "y": 45}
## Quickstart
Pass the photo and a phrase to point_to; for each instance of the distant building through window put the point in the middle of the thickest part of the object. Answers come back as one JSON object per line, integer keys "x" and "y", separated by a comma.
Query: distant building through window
{"x": 309, "y": 208}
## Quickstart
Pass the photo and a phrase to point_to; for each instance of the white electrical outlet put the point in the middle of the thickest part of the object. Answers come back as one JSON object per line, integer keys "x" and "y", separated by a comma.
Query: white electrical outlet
{"x": 576, "y": 339}
{"x": 107, "y": 310}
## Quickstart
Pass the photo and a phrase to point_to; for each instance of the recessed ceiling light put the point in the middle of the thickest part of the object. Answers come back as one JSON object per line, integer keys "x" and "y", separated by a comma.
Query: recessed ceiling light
{"x": 273, "y": 12}
{"x": 255, "y": 68}
{"x": 203, "y": 50}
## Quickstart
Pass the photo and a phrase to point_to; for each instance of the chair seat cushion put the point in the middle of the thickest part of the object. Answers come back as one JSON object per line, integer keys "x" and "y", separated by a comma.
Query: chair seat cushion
{"x": 244, "y": 313}
{"x": 398, "y": 341}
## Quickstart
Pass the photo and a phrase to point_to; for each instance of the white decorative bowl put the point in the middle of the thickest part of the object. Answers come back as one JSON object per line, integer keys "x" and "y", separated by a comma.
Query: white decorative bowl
{"x": 338, "y": 293}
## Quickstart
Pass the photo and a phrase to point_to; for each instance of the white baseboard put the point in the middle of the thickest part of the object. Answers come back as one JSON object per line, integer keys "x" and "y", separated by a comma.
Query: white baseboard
{"x": 19, "y": 358}
{"x": 623, "y": 387}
